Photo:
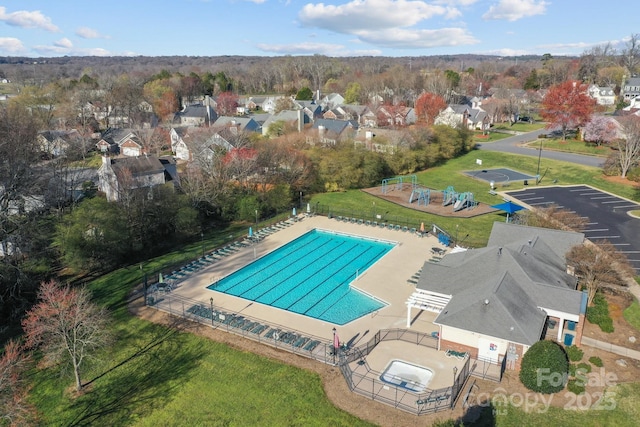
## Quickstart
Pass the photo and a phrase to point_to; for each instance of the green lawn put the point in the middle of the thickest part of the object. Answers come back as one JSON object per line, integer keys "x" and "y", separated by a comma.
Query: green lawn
{"x": 632, "y": 314}
{"x": 155, "y": 375}
{"x": 571, "y": 146}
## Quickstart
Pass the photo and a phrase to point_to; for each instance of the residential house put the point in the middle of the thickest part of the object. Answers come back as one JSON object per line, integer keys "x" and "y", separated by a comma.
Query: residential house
{"x": 237, "y": 124}
{"x": 119, "y": 175}
{"x": 331, "y": 100}
{"x": 383, "y": 140}
{"x": 56, "y": 142}
{"x": 330, "y": 132}
{"x": 312, "y": 109}
{"x": 264, "y": 103}
{"x": 630, "y": 89}
{"x": 604, "y": 95}
{"x": 297, "y": 119}
{"x": 463, "y": 115}
{"x": 496, "y": 302}
{"x": 195, "y": 143}
{"x": 120, "y": 141}
{"x": 195, "y": 115}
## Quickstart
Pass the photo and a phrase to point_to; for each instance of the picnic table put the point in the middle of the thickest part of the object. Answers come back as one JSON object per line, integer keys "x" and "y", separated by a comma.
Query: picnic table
{"x": 437, "y": 251}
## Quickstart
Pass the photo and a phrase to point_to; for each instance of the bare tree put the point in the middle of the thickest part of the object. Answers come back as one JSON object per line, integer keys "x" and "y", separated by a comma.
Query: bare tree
{"x": 552, "y": 217}
{"x": 14, "y": 407}
{"x": 629, "y": 146}
{"x": 631, "y": 53}
{"x": 598, "y": 265}
{"x": 66, "y": 326}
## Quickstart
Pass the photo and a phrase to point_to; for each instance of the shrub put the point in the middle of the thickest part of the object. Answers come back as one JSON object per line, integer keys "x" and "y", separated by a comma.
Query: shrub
{"x": 596, "y": 361}
{"x": 634, "y": 174}
{"x": 583, "y": 368}
{"x": 575, "y": 354}
{"x": 575, "y": 386}
{"x": 544, "y": 367}
{"x": 598, "y": 313}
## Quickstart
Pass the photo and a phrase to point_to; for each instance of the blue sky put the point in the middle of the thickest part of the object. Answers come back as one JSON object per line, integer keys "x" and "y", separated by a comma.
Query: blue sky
{"x": 44, "y": 28}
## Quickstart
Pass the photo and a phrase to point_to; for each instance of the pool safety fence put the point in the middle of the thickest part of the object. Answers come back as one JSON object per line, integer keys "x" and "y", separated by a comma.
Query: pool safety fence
{"x": 363, "y": 380}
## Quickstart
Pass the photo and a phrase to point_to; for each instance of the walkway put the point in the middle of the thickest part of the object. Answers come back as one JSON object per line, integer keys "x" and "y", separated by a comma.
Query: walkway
{"x": 611, "y": 348}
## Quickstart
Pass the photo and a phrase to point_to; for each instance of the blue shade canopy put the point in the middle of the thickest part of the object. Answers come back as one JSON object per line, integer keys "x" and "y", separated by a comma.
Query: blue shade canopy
{"x": 509, "y": 207}
{"x": 250, "y": 232}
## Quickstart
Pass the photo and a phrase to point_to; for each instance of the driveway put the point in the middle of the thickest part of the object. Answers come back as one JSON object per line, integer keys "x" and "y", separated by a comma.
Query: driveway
{"x": 607, "y": 214}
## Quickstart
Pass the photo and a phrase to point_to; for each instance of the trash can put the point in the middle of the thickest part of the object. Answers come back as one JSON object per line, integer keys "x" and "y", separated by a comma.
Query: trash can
{"x": 568, "y": 339}
{"x": 571, "y": 326}
{"x": 551, "y": 324}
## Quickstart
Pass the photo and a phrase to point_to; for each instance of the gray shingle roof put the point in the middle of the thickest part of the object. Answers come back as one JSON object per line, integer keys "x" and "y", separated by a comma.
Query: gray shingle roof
{"x": 522, "y": 271}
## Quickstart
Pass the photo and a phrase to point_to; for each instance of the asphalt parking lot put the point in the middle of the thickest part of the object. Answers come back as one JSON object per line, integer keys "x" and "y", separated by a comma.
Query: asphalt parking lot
{"x": 606, "y": 214}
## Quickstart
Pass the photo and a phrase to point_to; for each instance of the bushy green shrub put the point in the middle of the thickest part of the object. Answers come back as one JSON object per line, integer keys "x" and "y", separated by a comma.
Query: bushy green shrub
{"x": 634, "y": 174}
{"x": 544, "y": 367}
{"x": 598, "y": 313}
{"x": 575, "y": 354}
{"x": 583, "y": 368}
{"x": 575, "y": 386}
{"x": 596, "y": 361}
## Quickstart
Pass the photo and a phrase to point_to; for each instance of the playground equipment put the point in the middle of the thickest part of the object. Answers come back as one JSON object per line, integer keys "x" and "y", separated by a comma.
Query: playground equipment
{"x": 464, "y": 200}
{"x": 398, "y": 181}
{"x": 449, "y": 196}
{"x": 422, "y": 195}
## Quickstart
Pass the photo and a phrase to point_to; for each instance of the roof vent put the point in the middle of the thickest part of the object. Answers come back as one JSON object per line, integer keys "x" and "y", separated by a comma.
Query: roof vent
{"x": 499, "y": 251}
{"x": 486, "y": 301}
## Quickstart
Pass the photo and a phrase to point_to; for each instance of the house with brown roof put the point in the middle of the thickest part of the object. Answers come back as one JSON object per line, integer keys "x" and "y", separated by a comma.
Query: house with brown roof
{"x": 119, "y": 175}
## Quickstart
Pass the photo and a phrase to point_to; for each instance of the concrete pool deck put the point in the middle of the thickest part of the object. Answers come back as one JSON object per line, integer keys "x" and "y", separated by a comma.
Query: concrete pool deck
{"x": 385, "y": 280}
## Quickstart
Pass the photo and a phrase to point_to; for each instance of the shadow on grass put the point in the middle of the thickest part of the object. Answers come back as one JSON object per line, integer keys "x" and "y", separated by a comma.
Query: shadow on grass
{"x": 145, "y": 380}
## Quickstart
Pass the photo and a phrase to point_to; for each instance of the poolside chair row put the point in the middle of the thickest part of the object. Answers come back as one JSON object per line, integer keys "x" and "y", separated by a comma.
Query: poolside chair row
{"x": 293, "y": 339}
{"x": 388, "y": 226}
{"x": 430, "y": 400}
{"x": 456, "y": 354}
{"x": 228, "y": 319}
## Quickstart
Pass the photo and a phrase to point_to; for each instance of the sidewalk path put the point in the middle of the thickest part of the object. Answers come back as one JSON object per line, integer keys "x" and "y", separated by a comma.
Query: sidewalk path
{"x": 611, "y": 348}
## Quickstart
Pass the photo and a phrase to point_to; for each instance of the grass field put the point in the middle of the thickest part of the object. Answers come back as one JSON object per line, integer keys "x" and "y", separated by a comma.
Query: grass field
{"x": 155, "y": 375}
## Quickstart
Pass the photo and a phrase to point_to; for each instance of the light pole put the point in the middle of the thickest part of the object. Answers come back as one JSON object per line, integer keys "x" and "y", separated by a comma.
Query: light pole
{"x": 202, "y": 242}
{"x": 335, "y": 349}
{"x": 300, "y": 200}
{"x": 256, "y": 218}
{"x": 539, "y": 156}
{"x": 455, "y": 375}
{"x": 211, "y": 301}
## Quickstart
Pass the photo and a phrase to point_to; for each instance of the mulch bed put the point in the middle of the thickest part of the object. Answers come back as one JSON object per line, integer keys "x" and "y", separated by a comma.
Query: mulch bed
{"x": 401, "y": 197}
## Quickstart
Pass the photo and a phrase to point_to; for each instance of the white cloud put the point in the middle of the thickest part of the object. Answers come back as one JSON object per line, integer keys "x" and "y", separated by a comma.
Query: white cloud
{"x": 256, "y": 1}
{"x": 90, "y": 33}
{"x": 513, "y": 10}
{"x": 11, "y": 45}
{"x": 63, "y": 43}
{"x": 27, "y": 19}
{"x": 418, "y": 39}
{"x": 327, "y": 49}
{"x": 369, "y": 14}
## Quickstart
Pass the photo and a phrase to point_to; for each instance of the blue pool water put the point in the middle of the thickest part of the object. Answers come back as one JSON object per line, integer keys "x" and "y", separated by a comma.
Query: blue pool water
{"x": 311, "y": 276}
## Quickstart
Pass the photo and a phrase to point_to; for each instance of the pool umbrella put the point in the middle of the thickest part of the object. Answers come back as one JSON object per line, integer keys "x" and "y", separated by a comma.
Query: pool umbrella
{"x": 336, "y": 341}
{"x": 422, "y": 228}
{"x": 308, "y": 208}
{"x": 160, "y": 278}
{"x": 509, "y": 207}
{"x": 293, "y": 212}
{"x": 250, "y": 232}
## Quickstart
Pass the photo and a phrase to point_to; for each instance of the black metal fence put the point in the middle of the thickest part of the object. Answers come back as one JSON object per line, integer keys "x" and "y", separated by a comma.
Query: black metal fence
{"x": 362, "y": 380}
{"x": 366, "y": 382}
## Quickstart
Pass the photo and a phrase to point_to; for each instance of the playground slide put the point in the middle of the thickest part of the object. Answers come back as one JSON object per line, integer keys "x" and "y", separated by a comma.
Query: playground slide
{"x": 448, "y": 200}
{"x": 459, "y": 204}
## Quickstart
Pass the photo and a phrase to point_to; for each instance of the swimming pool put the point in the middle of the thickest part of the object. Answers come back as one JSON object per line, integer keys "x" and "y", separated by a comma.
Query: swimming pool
{"x": 311, "y": 275}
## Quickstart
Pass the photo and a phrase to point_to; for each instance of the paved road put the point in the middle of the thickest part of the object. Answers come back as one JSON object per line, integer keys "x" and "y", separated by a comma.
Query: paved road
{"x": 513, "y": 144}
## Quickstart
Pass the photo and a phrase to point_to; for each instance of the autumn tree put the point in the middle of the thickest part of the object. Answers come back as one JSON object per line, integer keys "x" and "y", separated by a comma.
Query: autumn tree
{"x": 428, "y": 106}
{"x": 14, "y": 407}
{"x": 66, "y": 326}
{"x": 353, "y": 93}
{"x": 629, "y": 146}
{"x": 162, "y": 96}
{"x": 597, "y": 265}
{"x": 600, "y": 130}
{"x": 567, "y": 106}
{"x": 227, "y": 103}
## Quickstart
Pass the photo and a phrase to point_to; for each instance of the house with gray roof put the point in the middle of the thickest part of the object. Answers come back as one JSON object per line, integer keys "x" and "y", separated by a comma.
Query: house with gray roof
{"x": 195, "y": 115}
{"x": 630, "y": 89}
{"x": 292, "y": 118}
{"x": 496, "y": 302}
{"x": 119, "y": 175}
{"x": 463, "y": 115}
{"x": 330, "y": 132}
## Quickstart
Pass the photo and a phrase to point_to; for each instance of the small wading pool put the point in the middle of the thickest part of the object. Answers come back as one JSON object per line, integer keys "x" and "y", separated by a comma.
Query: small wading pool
{"x": 411, "y": 377}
